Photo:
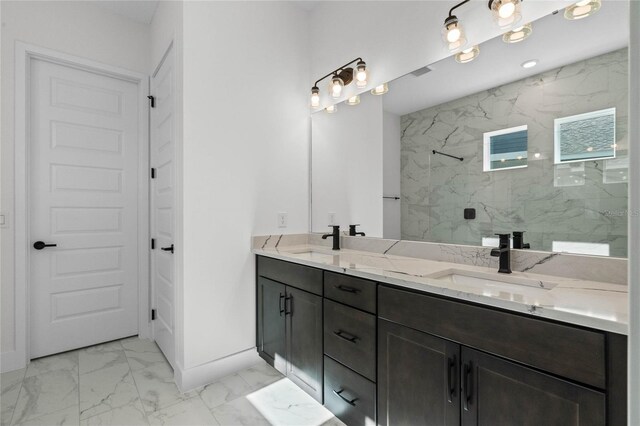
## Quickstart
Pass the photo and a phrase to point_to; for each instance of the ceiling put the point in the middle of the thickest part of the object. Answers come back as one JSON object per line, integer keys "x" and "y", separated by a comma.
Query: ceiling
{"x": 137, "y": 10}
{"x": 555, "y": 42}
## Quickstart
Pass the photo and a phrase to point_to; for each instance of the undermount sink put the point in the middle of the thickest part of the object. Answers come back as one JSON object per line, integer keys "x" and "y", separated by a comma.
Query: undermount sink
{"x": 313, "y": 254}
{"x": 485, "y": 279}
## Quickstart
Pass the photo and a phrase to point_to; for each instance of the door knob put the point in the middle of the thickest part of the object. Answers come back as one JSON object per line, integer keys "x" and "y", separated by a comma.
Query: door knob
{"x": 39, "y": 245}
{"x": 170, "y": 248}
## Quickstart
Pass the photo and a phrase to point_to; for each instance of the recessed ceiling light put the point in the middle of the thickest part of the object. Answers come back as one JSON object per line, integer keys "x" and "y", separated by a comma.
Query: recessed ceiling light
{"x": 530, "y": 64}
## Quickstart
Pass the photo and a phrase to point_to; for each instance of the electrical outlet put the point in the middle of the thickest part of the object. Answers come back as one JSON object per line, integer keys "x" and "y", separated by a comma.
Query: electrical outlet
{"x": 282, "y": 220}
{"x": 332, "y": 218}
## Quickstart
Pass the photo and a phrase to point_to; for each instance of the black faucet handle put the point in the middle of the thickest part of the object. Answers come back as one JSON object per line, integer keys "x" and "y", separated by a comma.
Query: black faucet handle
{"x": 504, "y": 235}
{"x": 336, "y": 228}
{"x": 518, "y": 233}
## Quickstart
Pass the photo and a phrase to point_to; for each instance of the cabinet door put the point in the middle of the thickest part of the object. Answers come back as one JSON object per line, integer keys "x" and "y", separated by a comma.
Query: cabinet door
{"x": 498, "y": 392}
{"x": 418, "y": 377}
{"x": 304, "y": 341}
{"x": 271, "y": 323}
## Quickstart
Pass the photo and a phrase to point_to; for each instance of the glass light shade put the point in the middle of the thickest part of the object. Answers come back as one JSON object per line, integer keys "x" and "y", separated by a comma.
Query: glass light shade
{"x": 354, "y": 100}
{"x": 315, "y": 97}
{"x": 361, "y": 74}
{"x": 582, "y": 9}
{"x": 380, "y": 90}
{"x": 453, "y": 34}
{"x": 516, "y": 35}
{"x": 336, "y": 86}
{"x": 468, "y": 55}
{"x": 506, "y": 13}
{"x": 331, "y": 109}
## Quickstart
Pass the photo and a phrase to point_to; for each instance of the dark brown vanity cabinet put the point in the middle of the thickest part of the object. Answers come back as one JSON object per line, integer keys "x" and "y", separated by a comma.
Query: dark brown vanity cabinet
{"x": 289, "y": 322}
{"x": 442, "y": 362}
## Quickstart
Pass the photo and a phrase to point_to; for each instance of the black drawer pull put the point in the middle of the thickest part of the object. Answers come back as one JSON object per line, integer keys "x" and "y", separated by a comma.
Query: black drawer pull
{"x": 451, "y": 377}
{"x": 351, "y": 402}
{"x": 348, "y": 289}
{"x": 346, "y": 336}
{"x": 466, "y": 385}
{"x": 281, "y": 304}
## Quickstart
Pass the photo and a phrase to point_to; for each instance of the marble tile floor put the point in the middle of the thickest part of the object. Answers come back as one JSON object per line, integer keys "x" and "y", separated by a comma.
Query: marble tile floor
{"x": 129, "y": 382}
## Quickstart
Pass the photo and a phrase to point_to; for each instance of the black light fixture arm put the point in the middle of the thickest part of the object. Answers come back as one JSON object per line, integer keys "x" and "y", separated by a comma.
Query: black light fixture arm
{"x": 457, "y": 6}
{"x": 337, "y": 70}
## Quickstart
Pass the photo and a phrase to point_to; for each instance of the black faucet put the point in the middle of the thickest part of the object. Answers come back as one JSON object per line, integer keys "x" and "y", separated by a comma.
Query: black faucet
{"x": 504, "y": 252}
{"x": 352, "y": 231}
{"x": 336, "y": 236}
{"x": 518, "y": 240}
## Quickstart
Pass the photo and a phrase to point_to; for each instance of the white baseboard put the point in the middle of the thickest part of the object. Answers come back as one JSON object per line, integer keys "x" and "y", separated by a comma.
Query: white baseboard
{"x": 192, "y": 378}
{"x": 11, "y": 360}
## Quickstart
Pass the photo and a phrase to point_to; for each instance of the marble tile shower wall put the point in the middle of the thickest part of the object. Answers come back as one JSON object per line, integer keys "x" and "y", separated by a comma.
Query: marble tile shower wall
{"x": 585, "y": 202}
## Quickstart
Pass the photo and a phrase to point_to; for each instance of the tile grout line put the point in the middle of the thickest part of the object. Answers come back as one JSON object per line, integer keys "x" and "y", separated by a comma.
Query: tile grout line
{"x": 144, "y": 411}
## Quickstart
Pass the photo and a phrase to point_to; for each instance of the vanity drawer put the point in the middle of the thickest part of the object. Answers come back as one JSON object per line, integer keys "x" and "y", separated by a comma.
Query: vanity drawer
{"x": 351, "y": 291}
{"x": 350, "y": 337}
{"x": 299, "y": 276}
{"x": 349, "y": 396}
{"x": 571, "y": 352}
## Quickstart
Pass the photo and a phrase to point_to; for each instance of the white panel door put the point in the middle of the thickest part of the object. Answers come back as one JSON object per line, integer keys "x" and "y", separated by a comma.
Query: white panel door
{"x": 163, "y": 206}
{"x": 83, "y": 172}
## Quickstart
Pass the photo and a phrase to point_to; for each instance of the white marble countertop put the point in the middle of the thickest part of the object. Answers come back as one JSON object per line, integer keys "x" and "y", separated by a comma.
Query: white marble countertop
{"x": 598, "y": 305}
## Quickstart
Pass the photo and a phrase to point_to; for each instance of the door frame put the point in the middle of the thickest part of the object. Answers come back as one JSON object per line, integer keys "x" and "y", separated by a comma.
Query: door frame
{"x": 24, "y": 54}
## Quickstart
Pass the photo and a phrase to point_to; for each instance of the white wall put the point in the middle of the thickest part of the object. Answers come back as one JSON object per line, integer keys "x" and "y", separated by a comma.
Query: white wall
{"x": 78, "y": 28}
{"x": 391, "y": 175}
{"x": 397, "y": 37}
{"x": 246, "y": 141}
{"x": 347, "y": 167}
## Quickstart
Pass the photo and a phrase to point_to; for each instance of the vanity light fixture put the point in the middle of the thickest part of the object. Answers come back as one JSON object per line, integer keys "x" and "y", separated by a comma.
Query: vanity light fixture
{"x": 452, "y": 31}
{"x": 331, "y": 109}
{"x": 336, "y": 86}
{"x": 340, "y": 77}
{"x": 506, "y": 13}
{"x": 315, "y": 97}
{"x": 529, "y": 64}
{"x": 468, "y": 55}
{"x": 516, "y": 35}
{"x": 354, "y": 100}
{"x": 380, "y": 90}
{"x": 582, "y": 9}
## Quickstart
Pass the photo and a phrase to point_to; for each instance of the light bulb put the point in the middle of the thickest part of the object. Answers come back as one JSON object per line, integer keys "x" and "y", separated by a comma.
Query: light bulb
{"x": 361, "y": 74}
{"x": 453, "y": 34}
{"x": 331, "y": 109}
{"x": 516, "y": 35}
{"x": 380, "y": 90}
{"x": 529, "y": 64}
{"x": 506, "y": 13}
{"x": 354, "y": 100}
{"x": 315, "y": 97}
{"x": 582, "y": 9}
{"x": 467, "y": 55}
{"x": 335, "y": 88}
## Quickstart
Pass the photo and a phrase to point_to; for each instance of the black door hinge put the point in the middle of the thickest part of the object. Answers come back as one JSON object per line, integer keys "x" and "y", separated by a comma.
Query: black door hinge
{"x": 153, "y": 243}
{"x": 152, "y": 101}
{"x": 153, "y": 173}
{"x": 153, "y": 314}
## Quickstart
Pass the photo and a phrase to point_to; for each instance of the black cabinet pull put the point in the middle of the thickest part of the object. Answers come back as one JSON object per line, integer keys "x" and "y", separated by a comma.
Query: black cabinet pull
{"x": 351, "y": 402}
{"x": 347, "y": 289}
{"x": 39, "y": 245}
{"x": 288, "y": 311}
{"x": 346, "y": 336}
{"x": 451, "y": 378}
{"x": 169, "y": 249}
{"x": 466, "y": 385}
{"x": 281, "y": 304}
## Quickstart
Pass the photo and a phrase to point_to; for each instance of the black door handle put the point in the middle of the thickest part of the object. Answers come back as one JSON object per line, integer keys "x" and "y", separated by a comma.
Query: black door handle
{"x": 346, "y": 336}
{"x": 39, "y": 245}
{"x": 280, "y": 304}
{"x": 288, "y": 310}
{"x": 451, "y": 377}
{"x": 347, "y": 289}
{"x": 170, "y": 248}
{"x": 467, "y": 385}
